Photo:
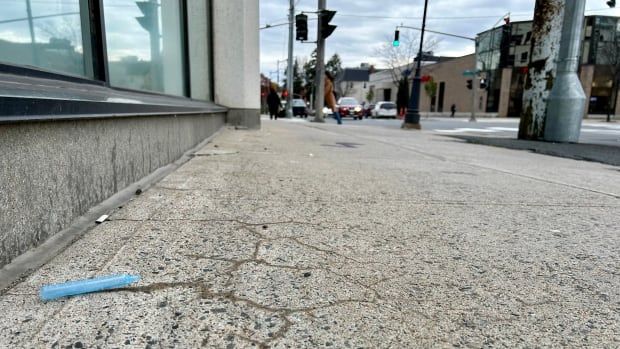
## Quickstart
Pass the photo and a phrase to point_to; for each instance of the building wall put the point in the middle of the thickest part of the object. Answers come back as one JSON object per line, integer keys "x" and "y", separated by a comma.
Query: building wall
{"x": 379, "y": 82}
{"x": 355, "y": 89}
{"x": 236, "y": 60}
{"x": 456, "y": 91}
{"x": 53, "y": 172}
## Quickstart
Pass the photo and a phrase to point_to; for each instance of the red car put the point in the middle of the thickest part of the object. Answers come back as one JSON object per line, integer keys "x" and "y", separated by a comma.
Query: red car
{"x": 349, "y": 106}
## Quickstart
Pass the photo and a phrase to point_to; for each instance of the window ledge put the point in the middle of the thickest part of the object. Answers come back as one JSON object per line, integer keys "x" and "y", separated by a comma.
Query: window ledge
{"x": 27, "y": 98}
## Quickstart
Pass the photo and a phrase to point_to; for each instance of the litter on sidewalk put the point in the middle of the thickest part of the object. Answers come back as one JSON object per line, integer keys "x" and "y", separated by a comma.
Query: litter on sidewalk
{"x": 72, "y": 288}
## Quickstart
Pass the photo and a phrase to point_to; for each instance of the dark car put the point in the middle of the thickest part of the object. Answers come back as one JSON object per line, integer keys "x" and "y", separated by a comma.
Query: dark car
{"x": 349, "y": 106}
{"x": 368, "y": 110}
{"x": 299, "y": 108}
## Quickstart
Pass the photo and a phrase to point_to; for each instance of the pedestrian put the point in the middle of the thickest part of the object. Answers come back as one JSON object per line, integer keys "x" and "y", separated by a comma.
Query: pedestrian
{"x": 402, "y": 97}
{"x": 273, "y": 101}
{"x": 330, "y": 99}
{"x": 452, "y": 110}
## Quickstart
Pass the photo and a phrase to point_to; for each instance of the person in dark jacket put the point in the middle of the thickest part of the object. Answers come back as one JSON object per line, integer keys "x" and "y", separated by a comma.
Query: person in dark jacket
{"x": 273, "y": 101}
{"x": 452, "y": 110}
{"x": 402, "y": 97}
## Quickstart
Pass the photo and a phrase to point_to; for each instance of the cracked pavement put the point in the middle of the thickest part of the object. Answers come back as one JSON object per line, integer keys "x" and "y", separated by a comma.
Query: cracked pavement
{"x": 282, "y": 238}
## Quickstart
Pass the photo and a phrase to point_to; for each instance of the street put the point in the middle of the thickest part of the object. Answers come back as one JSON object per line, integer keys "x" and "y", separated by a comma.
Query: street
{"x": 592, "y": 131}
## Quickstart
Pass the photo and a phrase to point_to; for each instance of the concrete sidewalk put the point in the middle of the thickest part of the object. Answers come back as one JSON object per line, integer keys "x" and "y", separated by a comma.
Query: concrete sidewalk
{"x": 309, "y": 235}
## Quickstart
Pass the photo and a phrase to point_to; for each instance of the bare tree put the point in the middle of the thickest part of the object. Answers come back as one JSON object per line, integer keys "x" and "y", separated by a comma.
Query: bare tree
{"x": 400, "y": 60}
{"x": 610, "y": 57}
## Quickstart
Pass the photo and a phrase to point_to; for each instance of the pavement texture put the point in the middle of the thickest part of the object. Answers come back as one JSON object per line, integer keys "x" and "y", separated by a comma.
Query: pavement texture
{"x": 305, "y": 235}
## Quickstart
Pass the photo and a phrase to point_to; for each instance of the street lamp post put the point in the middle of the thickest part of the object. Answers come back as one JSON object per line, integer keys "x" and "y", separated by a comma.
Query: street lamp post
{"x": 412, "y": 118}
{"x": 567, "y": 100}
{"x": 289, "y": 75}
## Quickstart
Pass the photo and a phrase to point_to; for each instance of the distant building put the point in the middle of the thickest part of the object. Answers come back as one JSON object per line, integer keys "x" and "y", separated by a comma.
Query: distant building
{"x": 504, "y": 53}
{"x": 445, "y": 72}
{"x": 353, "y": 82}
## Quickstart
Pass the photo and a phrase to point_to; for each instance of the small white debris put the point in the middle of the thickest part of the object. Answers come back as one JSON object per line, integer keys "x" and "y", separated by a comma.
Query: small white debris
{"x": 311, "y": 155}
{"x": 102, "y": 219}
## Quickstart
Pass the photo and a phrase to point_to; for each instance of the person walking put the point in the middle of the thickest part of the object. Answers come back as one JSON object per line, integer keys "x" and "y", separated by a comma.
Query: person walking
{"x": 452, "y": 110}
{"x": 402, "y": 97}
{"x": 273, "y": 102}
{"x": 330, "y": 99}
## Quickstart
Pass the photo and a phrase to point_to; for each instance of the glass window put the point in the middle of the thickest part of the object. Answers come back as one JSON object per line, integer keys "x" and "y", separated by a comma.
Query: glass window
{"x": 45, "y": 34}
{"x": 145, "y": 45}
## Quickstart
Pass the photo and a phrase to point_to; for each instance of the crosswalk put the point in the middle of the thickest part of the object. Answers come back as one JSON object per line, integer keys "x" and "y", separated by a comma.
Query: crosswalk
{"x": 594, "y": 129}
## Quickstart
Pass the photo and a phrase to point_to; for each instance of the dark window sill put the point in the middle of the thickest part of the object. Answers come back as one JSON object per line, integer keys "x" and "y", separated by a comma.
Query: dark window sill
{"x": 33, "y": 98}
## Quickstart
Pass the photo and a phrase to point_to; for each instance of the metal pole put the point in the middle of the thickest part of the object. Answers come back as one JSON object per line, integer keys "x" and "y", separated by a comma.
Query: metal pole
{"x": 289, "y": 75}
{"x": 567, "y": 100}
{"x": 412, "y": 118}
{"x": 319, "y": 79}
{"x": 472, "y": 118}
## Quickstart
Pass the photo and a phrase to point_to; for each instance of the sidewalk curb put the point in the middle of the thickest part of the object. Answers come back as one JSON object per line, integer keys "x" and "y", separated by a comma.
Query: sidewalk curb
{"x": 22, "y": 266}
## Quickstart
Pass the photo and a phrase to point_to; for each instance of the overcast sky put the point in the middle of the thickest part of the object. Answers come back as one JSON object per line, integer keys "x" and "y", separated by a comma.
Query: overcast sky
{"x": 364, "y": 25}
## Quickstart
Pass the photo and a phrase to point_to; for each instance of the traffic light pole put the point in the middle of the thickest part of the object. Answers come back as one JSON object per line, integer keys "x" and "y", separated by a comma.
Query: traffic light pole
{"x": 474, "y": 87}
{"x": 567, "y": 101}
{"x": 412, "y": 118}
{"x": 319, "y": 79}
{"x": 289, "y": 70}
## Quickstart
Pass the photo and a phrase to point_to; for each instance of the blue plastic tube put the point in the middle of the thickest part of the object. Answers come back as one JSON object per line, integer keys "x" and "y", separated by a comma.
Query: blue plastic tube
{"x": 72, "y": 288}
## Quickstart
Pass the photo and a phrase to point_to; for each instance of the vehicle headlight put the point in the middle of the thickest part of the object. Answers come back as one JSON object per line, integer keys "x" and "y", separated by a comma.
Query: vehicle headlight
{"x": 358, "y": 109}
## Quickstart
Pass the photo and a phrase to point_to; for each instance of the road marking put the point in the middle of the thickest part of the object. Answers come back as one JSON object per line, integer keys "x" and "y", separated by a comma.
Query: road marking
{"x": 462, "y": 130}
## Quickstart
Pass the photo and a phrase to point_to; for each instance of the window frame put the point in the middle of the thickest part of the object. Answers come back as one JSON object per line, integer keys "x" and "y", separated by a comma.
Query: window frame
{"x": 92, "y": 103}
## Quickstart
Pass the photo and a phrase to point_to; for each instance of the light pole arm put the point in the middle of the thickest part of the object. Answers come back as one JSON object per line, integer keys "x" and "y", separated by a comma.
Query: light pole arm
{"x": 437, "y": 32}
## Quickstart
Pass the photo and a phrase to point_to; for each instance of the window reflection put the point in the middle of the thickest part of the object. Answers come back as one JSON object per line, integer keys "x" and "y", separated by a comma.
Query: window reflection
{"x": 144, "y": 43}
{"x": 43, "y": 33}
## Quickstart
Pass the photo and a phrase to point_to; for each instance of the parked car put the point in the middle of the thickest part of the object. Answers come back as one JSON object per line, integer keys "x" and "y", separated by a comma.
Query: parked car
{"x": 349, "y": 106}
{"x": 385, "y": 110}
{"x": 367, "y": 110}
{"x": 299, "y": 108}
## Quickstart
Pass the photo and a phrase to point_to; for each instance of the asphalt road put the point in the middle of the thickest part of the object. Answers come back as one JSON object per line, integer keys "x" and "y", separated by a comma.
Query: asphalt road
{"x": 593, "y": 132}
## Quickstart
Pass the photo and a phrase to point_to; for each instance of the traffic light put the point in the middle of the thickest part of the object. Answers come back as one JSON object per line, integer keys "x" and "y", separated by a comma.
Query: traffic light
{"x": 301, "y": 24}
{"x": 149, "y": 21}
{"x": 396, "y": 41}
{"x": 611, "y": 3}
{"x": 326, "y": 28}
{"x": 483, "y": 84}
{"x": 470, "y": 84}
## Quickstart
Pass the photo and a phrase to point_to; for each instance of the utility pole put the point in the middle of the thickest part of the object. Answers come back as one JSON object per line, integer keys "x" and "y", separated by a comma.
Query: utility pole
{"x": 412, "y": 118}
{"x": 567, "y": 100}
{"x": 474, "y": 87}
{"x": 545, "y": 43}
{"x": 319, "y": 78}
{"x": 289, "y": 70}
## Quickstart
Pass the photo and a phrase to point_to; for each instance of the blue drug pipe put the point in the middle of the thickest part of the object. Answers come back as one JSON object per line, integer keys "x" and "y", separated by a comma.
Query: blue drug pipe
{"x": 72, "y": 288}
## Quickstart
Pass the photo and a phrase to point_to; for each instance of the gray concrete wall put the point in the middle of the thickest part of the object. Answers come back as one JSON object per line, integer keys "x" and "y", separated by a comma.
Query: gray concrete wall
{"x": 53, "y": 172}
{"x": 236, "y": 56}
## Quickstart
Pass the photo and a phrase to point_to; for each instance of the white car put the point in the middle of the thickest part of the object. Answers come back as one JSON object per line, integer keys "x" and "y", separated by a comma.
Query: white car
{"x": 384, "y": 110}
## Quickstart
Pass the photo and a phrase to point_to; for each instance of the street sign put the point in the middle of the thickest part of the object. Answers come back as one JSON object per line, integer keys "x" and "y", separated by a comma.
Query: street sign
{"x": 470, "y": 72}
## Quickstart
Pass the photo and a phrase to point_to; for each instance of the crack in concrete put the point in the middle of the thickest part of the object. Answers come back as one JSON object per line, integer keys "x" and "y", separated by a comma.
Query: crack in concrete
{"x": 205, "y": 292}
